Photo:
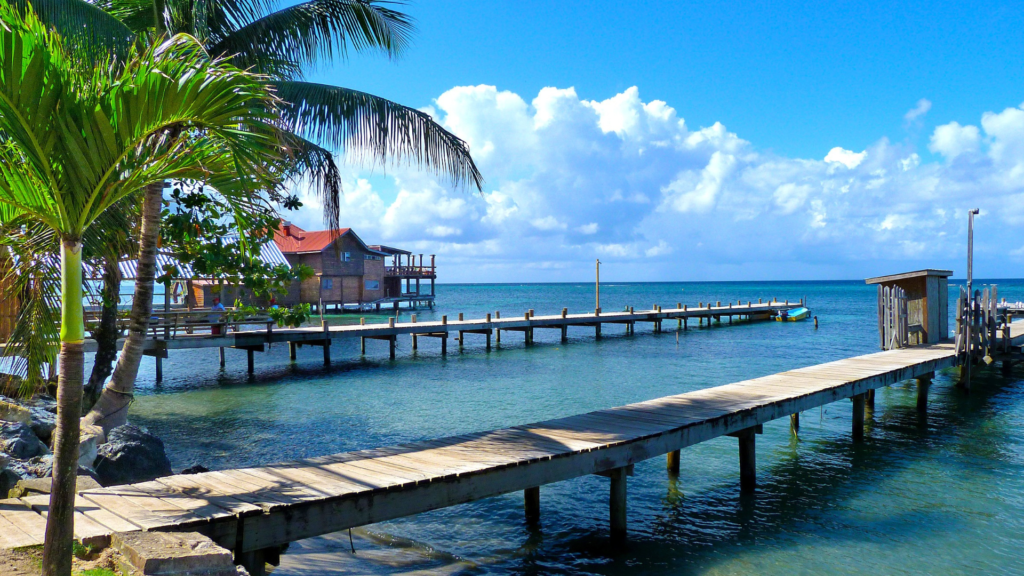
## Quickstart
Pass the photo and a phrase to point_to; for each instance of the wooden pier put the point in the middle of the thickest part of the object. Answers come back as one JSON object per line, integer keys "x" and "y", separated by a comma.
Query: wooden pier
{"x": 254, "y": 511}
{"x": 163, "y": 340}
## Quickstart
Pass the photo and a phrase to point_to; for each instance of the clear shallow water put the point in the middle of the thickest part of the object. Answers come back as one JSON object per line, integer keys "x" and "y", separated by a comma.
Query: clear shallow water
{"x": 942, "y": 495}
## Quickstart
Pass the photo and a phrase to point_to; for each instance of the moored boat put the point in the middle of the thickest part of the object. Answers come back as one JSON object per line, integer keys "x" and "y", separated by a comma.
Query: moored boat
{"x": 793, "y": 315}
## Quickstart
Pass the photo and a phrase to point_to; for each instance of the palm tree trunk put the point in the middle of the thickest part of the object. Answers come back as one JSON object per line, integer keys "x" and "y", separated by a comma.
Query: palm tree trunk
{"x": 111, "y": 410}
{"x": 60, "y": 519}
{"x": 105, "y": 335}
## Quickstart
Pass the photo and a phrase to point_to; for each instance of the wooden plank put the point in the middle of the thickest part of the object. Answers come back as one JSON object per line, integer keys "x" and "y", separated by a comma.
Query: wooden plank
{"x": 24, "y": 518}
{"x": 13, "y": 537}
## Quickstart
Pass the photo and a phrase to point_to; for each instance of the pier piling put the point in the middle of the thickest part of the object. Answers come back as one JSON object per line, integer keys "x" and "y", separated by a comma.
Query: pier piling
{"x": 858, "y": 416}
{"x": 617, "y": 502}
{"x": 531, "y": 504}
{"x": 794, "y": 423}
{"x": 292, "y": 353}
{"x": 673, "y": 463}
{"x": 748, "y": 460}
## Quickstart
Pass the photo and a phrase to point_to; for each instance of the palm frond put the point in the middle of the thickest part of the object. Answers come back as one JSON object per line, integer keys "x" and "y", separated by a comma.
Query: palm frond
{"x": 374, "y": 129}
{"x": 316, "y": 29}
{"x": 86, "y": 27}
{"x": 317, "y": 166}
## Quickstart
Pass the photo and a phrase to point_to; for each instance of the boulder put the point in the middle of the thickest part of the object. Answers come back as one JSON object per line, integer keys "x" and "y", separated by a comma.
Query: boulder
{"x": 131, "y": 454}
{"x": 196, "y": 469}
{"x": 8, "y": 480}
{"x": 89, "y": 441}
{"x": 11, "y": 412}
{"x": 17, "y": 439}
{"x": 166, "y": 553}
{"x": 43, "y": 423}
{"x": 40, "y": 466}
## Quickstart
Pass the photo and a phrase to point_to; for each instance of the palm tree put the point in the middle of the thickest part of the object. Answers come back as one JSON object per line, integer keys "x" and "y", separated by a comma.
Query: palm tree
{"x": 318, "y": 117}
{"x": 74, "y": 141}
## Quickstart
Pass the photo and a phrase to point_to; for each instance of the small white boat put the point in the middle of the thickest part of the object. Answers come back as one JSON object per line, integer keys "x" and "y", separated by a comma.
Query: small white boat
{"x": 793, "y": 315}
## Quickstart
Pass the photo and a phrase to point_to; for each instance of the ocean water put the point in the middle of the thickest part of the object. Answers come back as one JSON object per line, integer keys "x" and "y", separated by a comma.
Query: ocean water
{"x": 940, "y": 494}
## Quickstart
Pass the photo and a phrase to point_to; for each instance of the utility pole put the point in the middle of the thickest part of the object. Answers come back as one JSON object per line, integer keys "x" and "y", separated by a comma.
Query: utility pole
{"x": 597, "y": 287}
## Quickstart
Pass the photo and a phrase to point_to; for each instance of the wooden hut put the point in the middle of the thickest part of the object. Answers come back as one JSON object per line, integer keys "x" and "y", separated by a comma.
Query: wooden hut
{"x": 924, "y": 294}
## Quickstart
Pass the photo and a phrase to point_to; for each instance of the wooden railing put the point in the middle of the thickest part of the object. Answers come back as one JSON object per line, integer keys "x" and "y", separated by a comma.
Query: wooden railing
{"x": 403, "y": 271}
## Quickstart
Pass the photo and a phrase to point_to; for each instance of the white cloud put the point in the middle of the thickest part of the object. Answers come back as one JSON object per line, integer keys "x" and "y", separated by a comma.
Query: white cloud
{"x": 569, "y": 180}
{"x": 918, "y": 111}
{"x": 847, "y": 158}
{"x": 952, "y": 140}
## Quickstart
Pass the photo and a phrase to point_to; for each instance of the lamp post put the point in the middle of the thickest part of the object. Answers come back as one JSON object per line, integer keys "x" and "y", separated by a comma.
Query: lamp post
{"x": 597, "y": 287}
{"x": 969, "y": 321}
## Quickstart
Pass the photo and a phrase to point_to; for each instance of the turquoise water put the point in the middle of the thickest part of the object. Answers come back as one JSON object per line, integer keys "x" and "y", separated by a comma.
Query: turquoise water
{"x": 942, "y": 494}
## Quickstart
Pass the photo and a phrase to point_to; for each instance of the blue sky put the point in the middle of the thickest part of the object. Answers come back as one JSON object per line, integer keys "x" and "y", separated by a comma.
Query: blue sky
{"x": 789, "y": 82}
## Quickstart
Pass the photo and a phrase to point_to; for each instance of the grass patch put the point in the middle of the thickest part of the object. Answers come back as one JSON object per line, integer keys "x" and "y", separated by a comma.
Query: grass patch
{"x": 99, "y": 572}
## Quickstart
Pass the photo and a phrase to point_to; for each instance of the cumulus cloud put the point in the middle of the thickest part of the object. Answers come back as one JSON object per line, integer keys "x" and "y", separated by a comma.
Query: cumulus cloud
{"x": 630, "y": 182}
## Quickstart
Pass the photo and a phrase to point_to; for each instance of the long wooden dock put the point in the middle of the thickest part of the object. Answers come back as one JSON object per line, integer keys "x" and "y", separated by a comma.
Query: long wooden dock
{"x": 254, "y": 511}
{"x": 257, "y": 340}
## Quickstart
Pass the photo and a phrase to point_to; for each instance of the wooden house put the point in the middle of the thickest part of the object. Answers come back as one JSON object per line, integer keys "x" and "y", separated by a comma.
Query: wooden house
{"x": 926, "y": 295}
{"x": 347, "y": 271}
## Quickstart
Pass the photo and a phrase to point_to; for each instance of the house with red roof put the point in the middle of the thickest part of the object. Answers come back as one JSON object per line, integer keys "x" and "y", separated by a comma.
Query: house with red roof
{"x": 348, "y": 271}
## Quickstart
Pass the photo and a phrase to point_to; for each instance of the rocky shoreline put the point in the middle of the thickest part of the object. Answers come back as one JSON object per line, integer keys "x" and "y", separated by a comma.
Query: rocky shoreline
{"x": 127, "y": 455}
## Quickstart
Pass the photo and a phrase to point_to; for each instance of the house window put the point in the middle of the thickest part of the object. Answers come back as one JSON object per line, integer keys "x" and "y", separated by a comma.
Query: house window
{"x": 371, "y": 257}
{"x": 371, "y": 284}
{"x": 327, "y": 283}
{"x": 346, "y": 256}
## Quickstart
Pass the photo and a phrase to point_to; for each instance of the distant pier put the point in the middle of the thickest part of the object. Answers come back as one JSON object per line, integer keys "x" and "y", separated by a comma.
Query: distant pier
{"x": 167, "y": 335}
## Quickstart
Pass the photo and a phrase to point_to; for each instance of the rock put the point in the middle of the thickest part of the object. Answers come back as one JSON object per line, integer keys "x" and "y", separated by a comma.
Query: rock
{"x": 41, "y": 466}
{"x": 8, "y": 480}
{"x": 43, "y": 423}
{"x": 89, "y": 441}
{"x": 18, "y": 440}
{"x": 173, "y": 553}
{"x": 43, "y": 402}
{"x": 11, "y": 412}
{"x": 131, "y": 455}
{"x": 36, "y": 486}
{"x": 4, "y": 460}
{"x": 197, "y": 469}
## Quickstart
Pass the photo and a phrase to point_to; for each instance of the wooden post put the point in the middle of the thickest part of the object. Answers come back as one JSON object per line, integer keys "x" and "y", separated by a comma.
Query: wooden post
{"x": 160, "y": 368}
{"x": 362, "y": 346}
{"x": 391, "y": 345}
{"x": 597, "y": 329}
{"x": 292, "y": 353}
{"x": 531, "y": 503}
{"x": 253, "y": 562}
{"x": 748, "y": 461}
{"x": 565, "y": 333}
{"x": 617, "y": 503}
{"x": 565, "y": 312}
{"x": 414, "y": 342}
{"x": 923, "y": 384}
{"x": 488, "y": 340}
{"x": 869, "y": 399}
{"x": 673, "y": 462}
{"x": 497, "y": 331}
{"x": 462, "y": 336}
{"x": 249, "y": 357}
{"x": 327, "y": 344}
{"x": 221, "y": 356}
{"x": 460, "y": 316}
{"x": 444, "y": 338}
{"x": 794, "y": 422}
{"x": 858, "y": 416}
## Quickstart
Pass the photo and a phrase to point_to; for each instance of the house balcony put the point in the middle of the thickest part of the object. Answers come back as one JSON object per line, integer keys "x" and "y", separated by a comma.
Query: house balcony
{"x": 410, "y": 272}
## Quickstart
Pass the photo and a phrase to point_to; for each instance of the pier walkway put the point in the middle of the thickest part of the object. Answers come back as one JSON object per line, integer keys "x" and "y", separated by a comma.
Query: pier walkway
{"x": 254, "y": 511}
{"x": 162, "y": 340}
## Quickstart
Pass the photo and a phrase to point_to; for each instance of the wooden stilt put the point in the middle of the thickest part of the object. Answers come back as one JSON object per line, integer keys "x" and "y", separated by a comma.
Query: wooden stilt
{"x": 858, "y": 416}
{"x": 794, "y": 422}
{"x": 160, "y": 369}
{"x": 415, "y": 342}
{"x": 617, "y": 503}
{"x": 869, "y": 400}
{"x": 488, "y": 341}
{"x": 597, "y": 330}
{"x": 462, "y": 335}
{"x": 254, "y": 562}
{"x": 222, "y": 357}
{"x": 292, "y": 352}
{"x": 391, "y": 346}
{"x": 249, "y": 357}
{"x": 748, "y": 462}
{"x": 923, "y": 384}
{"x": 444, "y": 345}
{"x": 673, "y": 462}
{"x": 531, "y": 503}
{"x": 362, "y": 345}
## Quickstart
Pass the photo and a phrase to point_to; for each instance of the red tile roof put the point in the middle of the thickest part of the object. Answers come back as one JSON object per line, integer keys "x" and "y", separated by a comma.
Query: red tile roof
{"x": 291, "y": 239}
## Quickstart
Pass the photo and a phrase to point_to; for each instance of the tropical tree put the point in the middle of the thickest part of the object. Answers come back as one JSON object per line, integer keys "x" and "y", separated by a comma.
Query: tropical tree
{"x": 74, "y": 141}
{"x": 280, "y": 44}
